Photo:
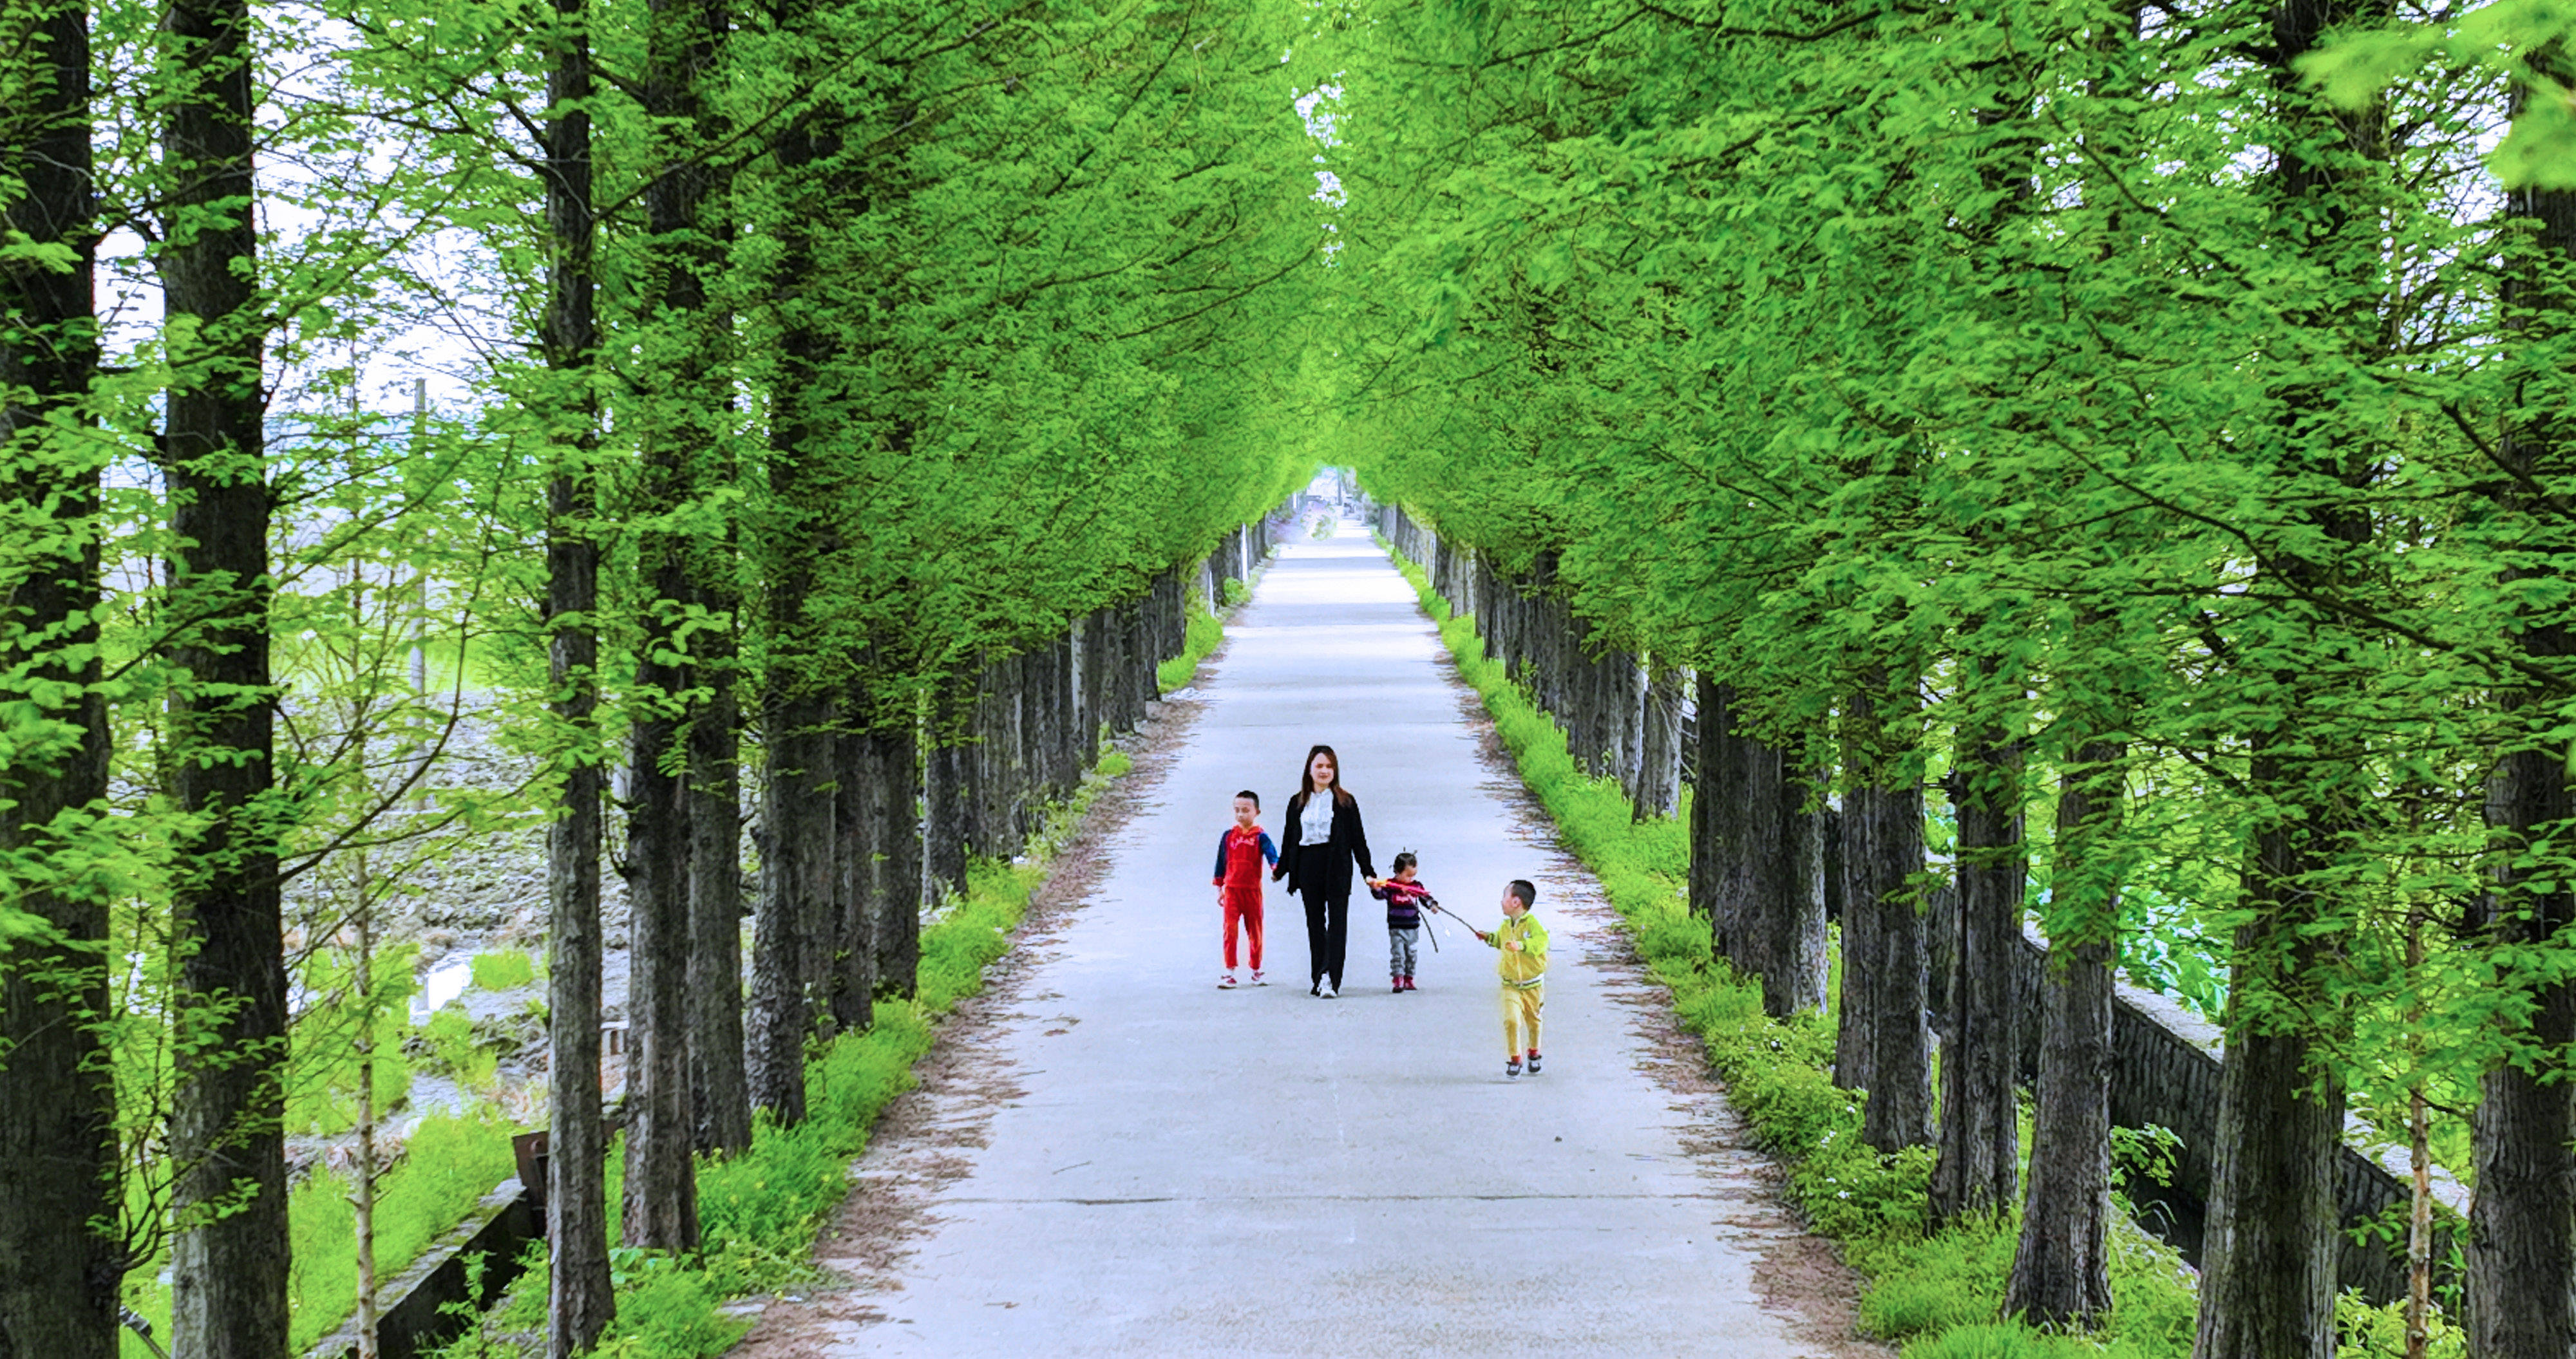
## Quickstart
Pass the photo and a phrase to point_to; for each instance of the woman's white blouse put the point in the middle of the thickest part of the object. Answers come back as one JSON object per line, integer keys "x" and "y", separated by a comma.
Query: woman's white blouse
{"x": 1316, "y": 822}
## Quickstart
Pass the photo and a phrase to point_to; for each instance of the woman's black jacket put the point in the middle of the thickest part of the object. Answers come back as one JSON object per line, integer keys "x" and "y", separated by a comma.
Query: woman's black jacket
{"x": 1349, "y": 840}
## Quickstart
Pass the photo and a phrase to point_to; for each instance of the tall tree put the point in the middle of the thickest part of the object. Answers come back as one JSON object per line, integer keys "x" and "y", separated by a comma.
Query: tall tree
{"x": 579, "y": 1299}
{"x": 2268, "y": 1268}
{"x": 229, "y": 1260}
{"x": 680, "y": 424}
{"x": 2522, "y": 1223}
{"x": 60, "y": 1260}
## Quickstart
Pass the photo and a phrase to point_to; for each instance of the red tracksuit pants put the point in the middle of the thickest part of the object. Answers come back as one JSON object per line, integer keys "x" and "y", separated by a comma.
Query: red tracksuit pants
{"x": 1243, "y": 908}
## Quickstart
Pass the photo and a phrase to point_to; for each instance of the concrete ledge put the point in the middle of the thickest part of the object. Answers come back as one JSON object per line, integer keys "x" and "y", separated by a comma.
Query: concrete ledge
{"x": 411, "y": 1320}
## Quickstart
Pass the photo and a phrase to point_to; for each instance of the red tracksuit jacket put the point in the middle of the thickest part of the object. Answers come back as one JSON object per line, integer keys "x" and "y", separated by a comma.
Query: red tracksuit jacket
{"x": 1240, "y": 856}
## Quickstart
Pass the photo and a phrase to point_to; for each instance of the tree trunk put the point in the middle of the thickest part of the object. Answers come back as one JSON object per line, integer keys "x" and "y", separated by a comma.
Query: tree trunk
{"x": 855, "y": 833}
{"x": 1659, "y": 741}
{"x": 718, "y": 1095}
{"x": 2061, "y": 1276}
{"x": 1883, "y": 980}
{"x": 579, "y": 1300}
{"x": 974, "y": 786}
{"x": 2061, "y": 1269}
{"x": 796, "y": 872}
{"x": 1137, "y": 652}
{"x": 59, "y": 1278}
{"x": 1073, "y": 739}
{"x": 362, "y": 1177}
{"x": 660, "y": 1199}
{"x": 1628, "y": 678}
{"x": 1761, "y": 882}
{"x": 1726, "y": 788}
{"x": 1705, "y": 771}
{"x": 993, "y": 816}
{"x": 1793, "y": 980}
{"x": 800, "y": 804}
{"x": 900, "y": 873}
{"x": 1091, "y": 683}
{"x": 943, "y": 810}
{"x": 1027, "y": 775}
{"x": 229, "y": 1262}
{"x": 2268, "y": 1255}
{"x": 1977, "y": 1171}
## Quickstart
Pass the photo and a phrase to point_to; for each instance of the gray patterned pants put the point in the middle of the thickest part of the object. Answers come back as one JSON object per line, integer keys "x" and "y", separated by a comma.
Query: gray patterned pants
{"x": 1400, "y": 954}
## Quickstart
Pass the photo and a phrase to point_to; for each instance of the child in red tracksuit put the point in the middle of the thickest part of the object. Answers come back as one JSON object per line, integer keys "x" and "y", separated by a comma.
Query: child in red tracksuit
{"x": 1241, "y": 854}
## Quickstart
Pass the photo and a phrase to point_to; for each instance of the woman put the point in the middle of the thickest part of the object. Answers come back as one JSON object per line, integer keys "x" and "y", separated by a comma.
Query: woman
{"x": 1323, "y": 835}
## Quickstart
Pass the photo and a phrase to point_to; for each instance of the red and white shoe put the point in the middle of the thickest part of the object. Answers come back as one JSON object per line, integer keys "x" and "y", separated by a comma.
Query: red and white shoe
{"x": 1258, "y": 979}
{"x": 1226, "y": 982}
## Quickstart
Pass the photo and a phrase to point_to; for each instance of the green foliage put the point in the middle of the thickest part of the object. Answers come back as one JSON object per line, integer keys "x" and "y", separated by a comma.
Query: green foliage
{"x": 322, "y": 1066}
{"x": 502, "y": 970}
{"x": 2366, "y": 1332}
{"x": 2514, "y": 37}
{"x": 456, "y": 1048}
{"x": 2002, "y": 356}
{"x": 930, "y": 442}
{"x": 1235, "y": 593}
{"x": 2012, "y": 1340}
{"x": 669, "y": 1312}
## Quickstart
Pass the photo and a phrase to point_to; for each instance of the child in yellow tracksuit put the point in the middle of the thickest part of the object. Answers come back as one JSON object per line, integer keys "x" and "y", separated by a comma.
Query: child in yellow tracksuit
{"x": 1523, "y": 942}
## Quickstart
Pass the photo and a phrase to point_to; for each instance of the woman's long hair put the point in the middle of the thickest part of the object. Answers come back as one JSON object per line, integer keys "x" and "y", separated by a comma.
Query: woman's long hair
{"x": 1306, "y": 777}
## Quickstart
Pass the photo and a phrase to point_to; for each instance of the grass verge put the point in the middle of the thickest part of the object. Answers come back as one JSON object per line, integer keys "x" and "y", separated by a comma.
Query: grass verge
{"x": 1941, "y": 1295}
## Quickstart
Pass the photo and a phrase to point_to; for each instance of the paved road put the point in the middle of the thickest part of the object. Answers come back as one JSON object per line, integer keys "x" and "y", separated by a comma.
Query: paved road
{"x": 1194, "y": 1171}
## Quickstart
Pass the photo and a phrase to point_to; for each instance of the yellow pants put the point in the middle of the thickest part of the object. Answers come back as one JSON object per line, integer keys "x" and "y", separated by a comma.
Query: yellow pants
{"x": 1520, "y": 1011}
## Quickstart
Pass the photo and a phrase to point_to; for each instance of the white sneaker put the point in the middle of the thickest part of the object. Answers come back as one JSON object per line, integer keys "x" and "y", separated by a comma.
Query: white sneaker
{"x": 1258, "y": 979}
{"x": 1328, "y": 992}
{"x": 1226, "y": 982}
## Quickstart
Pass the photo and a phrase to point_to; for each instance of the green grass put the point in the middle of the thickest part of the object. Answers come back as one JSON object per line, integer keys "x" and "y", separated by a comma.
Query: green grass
{"x": 453, "y": 1049}
{"x": 1204, "y": 633}
{"x": 502, "y": 970}
{"x": 1941, "y": 1294}
{"x": 452, "y": 1161}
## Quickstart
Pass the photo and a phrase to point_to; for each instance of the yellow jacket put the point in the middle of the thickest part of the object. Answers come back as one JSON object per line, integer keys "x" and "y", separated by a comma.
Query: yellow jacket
{"x": 1528, "y": 966}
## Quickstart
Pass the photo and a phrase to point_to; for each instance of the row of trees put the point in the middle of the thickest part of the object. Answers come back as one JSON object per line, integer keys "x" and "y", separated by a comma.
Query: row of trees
{"x": 845, "y": 387}
{"x": 2142, "y": 423}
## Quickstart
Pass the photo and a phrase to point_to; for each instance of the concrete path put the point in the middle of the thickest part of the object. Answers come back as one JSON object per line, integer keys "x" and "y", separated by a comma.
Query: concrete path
{"x": 1188, "y": 1171}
